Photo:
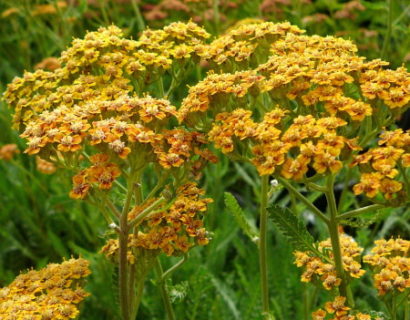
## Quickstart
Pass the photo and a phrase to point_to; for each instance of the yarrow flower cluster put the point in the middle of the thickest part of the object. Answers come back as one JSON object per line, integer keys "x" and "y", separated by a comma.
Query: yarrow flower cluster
{"x": 53, "y": 292}
{"x": 318, "y": 269}
{"x": 173, "y": 231}
{"x": 337, "y": 310}
{"x": 390, "y": 261}
{"x": 94, "y": 101}
{"x": 380, "y": 165}
{"x": 305, "y": 109}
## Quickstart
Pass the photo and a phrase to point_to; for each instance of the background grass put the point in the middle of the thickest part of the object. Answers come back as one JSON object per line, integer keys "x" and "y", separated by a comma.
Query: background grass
{"x": 40, "y": 224}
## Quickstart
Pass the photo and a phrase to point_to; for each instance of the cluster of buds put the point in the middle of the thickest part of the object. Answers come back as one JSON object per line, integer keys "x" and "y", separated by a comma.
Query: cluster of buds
{"x": 172, "y": 230}
{"x": 50, "y": 293}
{"x": 337, "y": 310}
{"x": 318, "y": 269}
{"x": 390, "y": 261}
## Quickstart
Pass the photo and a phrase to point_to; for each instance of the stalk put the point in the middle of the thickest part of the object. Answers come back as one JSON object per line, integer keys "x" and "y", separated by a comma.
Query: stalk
{"x": 134, "y": 293}
{"x": 215, "y": 8}
{"x": 123, "y": 272}
{"x": 333, "y": 227}
{"x": 164, "y": 292}
{"x": 263, "y": 263}
{"x": 304, "y": 200}
{"x": 387, "y": 39}
{"x": 394, "y": 308}
{"x": 140, "y": 19}
{"x": 123, "y": 262}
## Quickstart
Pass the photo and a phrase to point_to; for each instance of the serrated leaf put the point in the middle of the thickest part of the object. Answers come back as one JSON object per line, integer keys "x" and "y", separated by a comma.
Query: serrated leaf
{"x": 234, "y": 207}
{"x": 293, "y": 229}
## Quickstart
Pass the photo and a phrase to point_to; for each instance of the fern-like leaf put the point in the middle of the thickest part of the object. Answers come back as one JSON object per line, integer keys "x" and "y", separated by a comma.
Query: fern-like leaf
{"x": 293, "y": 229}
{"x": 234, "y": 207}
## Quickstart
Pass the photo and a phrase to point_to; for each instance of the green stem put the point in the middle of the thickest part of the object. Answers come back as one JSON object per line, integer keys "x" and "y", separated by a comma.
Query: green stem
{"x": 387, "y": 39}
{"x": 394, "y": 308}
{"x": 134, "y": 293}
{"x": 164, "y": 292}
{"x": 123, "y": 250}
{"x": 140, "y": 19}
{"x": 345, "y": 190}
{"x": 360, "y": 211}
{"x": 167, "y": 273}
{"x": 407, "y": 309}
{"x": 303, "y": 199}
{"x": 215, "y": 7}
{"x": 137, "y": 298}
{"x": 149, "y": 210}
{"x": 333, "y": 227}
{"x": 123, "y": 270}
{"x": 263, "y": 263}
{"x": 306, "y": 313}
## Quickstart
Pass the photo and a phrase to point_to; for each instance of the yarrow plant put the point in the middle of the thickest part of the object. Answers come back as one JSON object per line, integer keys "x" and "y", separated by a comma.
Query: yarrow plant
{"x": 306, "y": 111}
{"x": 95, "y": 117}
{"x": 53, "y": 292}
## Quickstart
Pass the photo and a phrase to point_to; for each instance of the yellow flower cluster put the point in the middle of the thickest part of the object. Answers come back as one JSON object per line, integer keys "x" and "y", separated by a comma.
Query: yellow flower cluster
{"x": 318, "y": 269}
{"x": 238, "y": 47}
{"x": 337, "y": 310}
{"x": 382, "y": 164}
{"x": 177, "y": 41}
{"x": 215, "y": 89}
{"x": 99, "y": 67}
{"x": 390, "y": 260}
{"x": 307, "y": 142}
{"x": 315, "y": 89}
{"x": 8, "y": 151}
{"x": 102, "y": 173}
{"x": 391, "y": 86}
{"x": 174, "y": 230}
{"x": 96, "y": 99}
{"x": 50, "y": 293}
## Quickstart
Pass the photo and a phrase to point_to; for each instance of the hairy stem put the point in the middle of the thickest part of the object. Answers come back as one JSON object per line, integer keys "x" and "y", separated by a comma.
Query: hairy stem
{"x": 123, "y": 262}
{"x": 333, "y": 227}
{"x": 123, "y": 272}
{"x": 263, "y": 263}
{"x": 134, "y": 293}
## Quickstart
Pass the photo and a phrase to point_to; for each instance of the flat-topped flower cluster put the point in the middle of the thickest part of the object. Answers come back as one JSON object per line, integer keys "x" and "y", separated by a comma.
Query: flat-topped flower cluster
{"x": 53, "y": 292}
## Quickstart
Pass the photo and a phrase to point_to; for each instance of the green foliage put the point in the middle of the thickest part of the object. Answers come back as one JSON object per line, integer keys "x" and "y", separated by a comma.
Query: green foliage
{"x": 292, "y": 228}
{"x": 240, "y": 217}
